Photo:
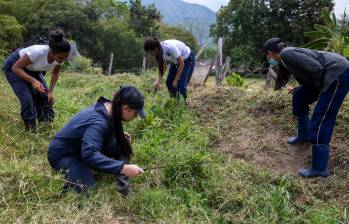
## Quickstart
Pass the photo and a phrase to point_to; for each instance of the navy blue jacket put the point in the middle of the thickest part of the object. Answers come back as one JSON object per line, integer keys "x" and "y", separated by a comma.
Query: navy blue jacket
{"x": 89, "y": 135}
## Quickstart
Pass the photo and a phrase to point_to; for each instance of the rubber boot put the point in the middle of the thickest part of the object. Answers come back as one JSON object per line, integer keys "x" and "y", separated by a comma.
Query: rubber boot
{"x": 320, "y": 157}
{"x": 123, "y": 185}
{"x": 303, "y": 131}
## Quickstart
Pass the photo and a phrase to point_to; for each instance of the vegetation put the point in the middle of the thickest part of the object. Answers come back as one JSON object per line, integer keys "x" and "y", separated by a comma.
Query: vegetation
{"x": 332, "y": 36}
{"x": 235, "y": 80}
{"x": 246, "y": 24}
{"x": 196, "y": 184}
{"x": 99, "y": 27}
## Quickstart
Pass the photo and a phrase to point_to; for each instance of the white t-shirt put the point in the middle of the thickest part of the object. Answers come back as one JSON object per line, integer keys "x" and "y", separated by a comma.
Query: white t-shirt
{"x": 173, "y": 49}
{"x": 38, "y": 56}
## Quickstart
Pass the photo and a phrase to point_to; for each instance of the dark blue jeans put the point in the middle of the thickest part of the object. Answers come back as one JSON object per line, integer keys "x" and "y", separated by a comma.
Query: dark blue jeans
{"x": 34, "y": 105}
{"x": 79, "y": 177}
{"x": 189, "y": 65}
{"x": 326, "y": 110}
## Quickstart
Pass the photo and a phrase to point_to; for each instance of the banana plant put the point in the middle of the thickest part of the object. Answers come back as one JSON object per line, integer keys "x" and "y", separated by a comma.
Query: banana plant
{"x": 332, "y": 36}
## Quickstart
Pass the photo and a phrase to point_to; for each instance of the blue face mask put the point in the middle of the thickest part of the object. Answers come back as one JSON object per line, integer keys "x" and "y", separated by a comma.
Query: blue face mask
{"x": 272, "y": 61}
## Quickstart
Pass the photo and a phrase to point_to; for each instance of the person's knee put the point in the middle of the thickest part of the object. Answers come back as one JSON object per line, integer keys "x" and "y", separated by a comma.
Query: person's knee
{"x": 26, "y": 101}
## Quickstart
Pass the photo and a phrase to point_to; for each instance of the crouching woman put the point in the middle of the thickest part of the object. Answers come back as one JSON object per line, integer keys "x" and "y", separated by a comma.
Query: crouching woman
{"x": 94, "y": 140}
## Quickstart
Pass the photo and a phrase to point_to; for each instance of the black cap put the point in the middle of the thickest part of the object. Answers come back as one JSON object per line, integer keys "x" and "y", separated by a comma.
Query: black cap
{"x": 271, "y": 44}
{"x": 132, "y": 97}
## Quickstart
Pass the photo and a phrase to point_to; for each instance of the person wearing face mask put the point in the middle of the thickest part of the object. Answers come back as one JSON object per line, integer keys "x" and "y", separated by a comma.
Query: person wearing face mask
{"x": 94, "y": 139}
{"x": 25, "y": 69}
{"x": 323, "y": 77}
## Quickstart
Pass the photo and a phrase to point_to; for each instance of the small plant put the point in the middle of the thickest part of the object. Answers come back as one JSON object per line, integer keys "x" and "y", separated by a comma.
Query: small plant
{"x": 235, "y": 80}
{"x": 81, "y": 64}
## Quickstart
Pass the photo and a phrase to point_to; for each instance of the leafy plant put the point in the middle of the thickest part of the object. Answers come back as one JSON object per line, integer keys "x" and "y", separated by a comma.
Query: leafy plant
{"x": 235, "y": 80}
{"x": 332, "y": 36}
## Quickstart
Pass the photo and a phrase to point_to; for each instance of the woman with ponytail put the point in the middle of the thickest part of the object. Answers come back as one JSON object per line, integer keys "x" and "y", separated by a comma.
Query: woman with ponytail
{"x": 181, "y": 60}
{"x": 25, "y": 69}
{"x": 94, "y": 139}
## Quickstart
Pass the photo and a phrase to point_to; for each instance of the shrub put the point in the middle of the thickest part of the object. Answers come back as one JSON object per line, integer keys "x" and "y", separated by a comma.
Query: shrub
{"x": 2, "y": 59}
{"x": 235, "y": 80}
{"x": 81, "y": 64}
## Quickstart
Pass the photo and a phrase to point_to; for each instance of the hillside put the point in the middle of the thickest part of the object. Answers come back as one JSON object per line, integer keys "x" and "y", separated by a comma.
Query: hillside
{"x": 208, "y": 171}
{"x": 178, "y": 12}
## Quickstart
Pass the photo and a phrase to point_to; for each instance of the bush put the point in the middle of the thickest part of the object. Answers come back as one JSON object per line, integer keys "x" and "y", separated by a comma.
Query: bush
{"x": 235, "y": 80}
{"x": 2, "y": 60}
{"x": 81, "y": 64}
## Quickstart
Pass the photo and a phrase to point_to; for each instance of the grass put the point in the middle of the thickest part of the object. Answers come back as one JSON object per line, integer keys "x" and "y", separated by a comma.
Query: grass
{"x": 188, "y": 190}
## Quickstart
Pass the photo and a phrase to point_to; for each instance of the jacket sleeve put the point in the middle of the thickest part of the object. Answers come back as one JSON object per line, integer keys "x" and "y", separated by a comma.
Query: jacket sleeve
{"x": 303, "y": 62}
{"x": 91, "y": 146}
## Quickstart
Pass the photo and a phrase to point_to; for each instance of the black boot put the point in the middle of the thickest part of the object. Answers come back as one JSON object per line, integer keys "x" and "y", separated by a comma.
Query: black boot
{"x": 303, "y": 123}
{"x": 123, "y": 185}
{"x": 320, "y": 157}
{"x": 30, "y": 126}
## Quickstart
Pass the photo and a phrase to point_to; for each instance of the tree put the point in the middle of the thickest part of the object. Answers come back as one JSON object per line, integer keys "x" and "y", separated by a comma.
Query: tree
{"x": 246, "y": 24}
{"x": 144, "y": 20}
{"x": 178, "y": 33}
{"x": 332, "y": 36}
{"x": 11, "y": 31}
{"x": 115, "y": 36}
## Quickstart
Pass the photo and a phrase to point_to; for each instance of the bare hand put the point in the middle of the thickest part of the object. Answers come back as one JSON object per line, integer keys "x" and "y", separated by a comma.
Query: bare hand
{"x": 157, "y": 84}
{"x": 128, "y": 136}
{"x": 38, "y": 86}
{"x": 175, "y": 84}
{"x": 131, "y": 170}
{"x": 50, "y": 97}
{"x": 290, "y": 89}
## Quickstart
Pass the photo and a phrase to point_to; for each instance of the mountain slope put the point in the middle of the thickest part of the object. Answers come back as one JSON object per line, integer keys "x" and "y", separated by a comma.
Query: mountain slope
{"x": 179, "y": 12}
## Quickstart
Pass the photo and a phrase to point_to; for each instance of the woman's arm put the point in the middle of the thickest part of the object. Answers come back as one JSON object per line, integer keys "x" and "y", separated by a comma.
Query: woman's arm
{"x": 55, "y": 76}
{"x": 18, "y": 69}
{"x": 91, "y": 155}
{"x": 179, "y": 71}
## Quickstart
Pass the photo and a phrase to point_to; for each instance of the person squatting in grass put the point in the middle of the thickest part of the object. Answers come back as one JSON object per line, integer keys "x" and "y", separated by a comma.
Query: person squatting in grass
{"x": 25, "y": 69}
{"x": 94, "y": 140}
{"x": 323, "y": 77}
{"x": 181, "y": 60}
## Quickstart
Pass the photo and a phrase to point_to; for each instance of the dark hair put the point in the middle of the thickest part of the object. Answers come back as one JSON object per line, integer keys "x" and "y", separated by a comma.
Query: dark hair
{"x": 153, "y": 43}
{"x": 122, "y": 142}
{"x": 57, "y": 42}
{"x": 283, "y": 76}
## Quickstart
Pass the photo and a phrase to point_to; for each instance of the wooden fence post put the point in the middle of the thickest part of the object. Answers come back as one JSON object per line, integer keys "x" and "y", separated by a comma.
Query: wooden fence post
{"x": 219, "y": 61}
{"x": 110, "y": 63}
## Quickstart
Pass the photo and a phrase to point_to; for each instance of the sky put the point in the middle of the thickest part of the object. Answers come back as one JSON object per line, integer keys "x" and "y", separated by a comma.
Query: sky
{"x": 216, "y": 4}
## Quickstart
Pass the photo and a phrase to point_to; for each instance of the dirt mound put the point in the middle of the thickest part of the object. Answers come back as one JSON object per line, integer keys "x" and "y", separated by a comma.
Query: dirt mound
{"x": 254, "y": 126}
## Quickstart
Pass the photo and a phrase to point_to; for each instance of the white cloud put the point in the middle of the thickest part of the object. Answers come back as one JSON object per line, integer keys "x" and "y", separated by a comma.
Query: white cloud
{"x": 340, "y": 5}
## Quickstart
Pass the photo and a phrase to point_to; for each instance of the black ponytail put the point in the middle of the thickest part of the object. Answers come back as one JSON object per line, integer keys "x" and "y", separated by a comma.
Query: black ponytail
{"x": 58, "y": 43}
{"x": 153, "y": 43}
{"x": 122, "y": 142}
